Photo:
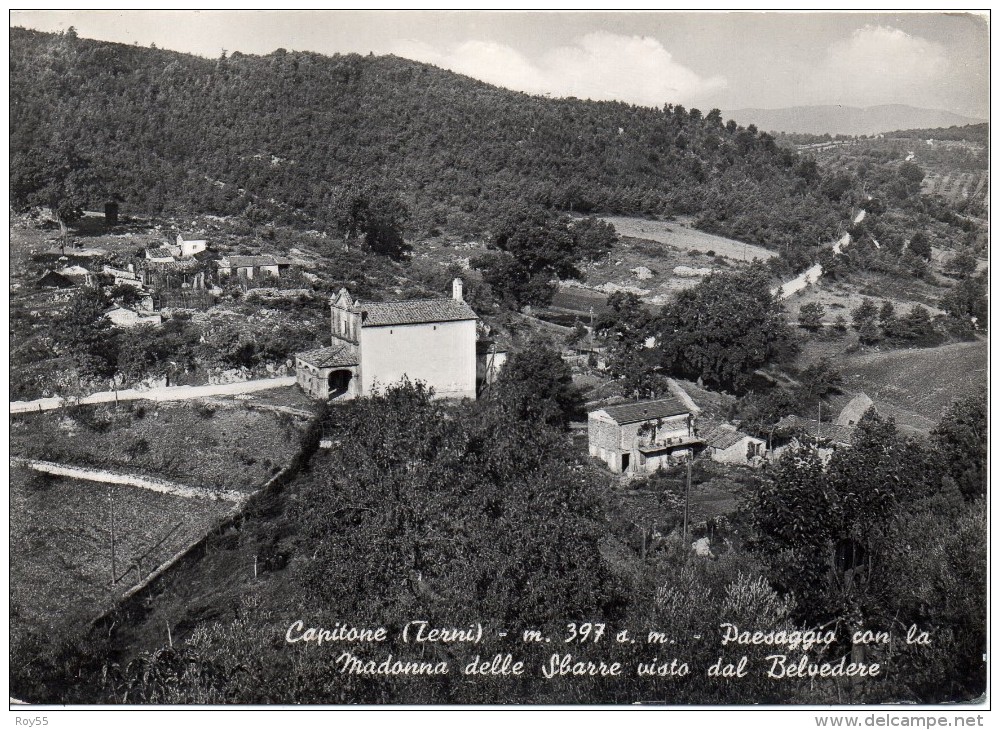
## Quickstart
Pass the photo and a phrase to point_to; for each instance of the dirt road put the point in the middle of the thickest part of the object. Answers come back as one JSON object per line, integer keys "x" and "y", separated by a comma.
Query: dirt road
{"x": 179, "y": 392}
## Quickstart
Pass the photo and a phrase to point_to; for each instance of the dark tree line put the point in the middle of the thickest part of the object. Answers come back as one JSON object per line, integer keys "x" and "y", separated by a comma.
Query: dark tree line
{"x": 288, "y": 136}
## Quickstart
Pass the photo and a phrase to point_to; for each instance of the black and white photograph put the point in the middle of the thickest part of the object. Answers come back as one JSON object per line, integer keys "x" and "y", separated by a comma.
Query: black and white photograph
{"x": 500, "y": 360}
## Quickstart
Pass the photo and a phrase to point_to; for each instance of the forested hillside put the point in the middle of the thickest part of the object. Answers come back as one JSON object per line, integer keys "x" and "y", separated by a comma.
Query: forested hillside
{"x": 979, "y": 133}
{"x": 291, "y": 136}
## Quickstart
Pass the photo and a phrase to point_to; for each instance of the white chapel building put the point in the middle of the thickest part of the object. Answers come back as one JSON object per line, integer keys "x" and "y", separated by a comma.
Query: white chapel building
{"x": 378, "y": 344}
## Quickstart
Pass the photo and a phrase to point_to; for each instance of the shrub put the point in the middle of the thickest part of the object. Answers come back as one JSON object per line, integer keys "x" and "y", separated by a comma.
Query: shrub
{"x": 138, "y": 447}
{"x": 205, "y": 410}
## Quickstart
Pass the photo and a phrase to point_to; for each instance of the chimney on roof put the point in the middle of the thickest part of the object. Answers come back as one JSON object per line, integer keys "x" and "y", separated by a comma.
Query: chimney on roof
{"x": 456, "y": 290}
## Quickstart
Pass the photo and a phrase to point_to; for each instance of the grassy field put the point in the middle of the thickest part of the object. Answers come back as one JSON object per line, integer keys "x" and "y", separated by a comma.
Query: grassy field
{"x": 684, "y": 238}
{"x": 197, "y": 444}
{"x": 918, "y": 385}
{"x": 60, "y": 542}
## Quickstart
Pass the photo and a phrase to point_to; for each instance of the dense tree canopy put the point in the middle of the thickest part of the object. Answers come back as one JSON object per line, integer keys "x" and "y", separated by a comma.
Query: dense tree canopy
{"x": 723, "y": 329}
{"x": 852, "y": 542}
{"x": 537, "y": 385}
{"x": 961, "y": 439}
{"x": 626, "y": 327}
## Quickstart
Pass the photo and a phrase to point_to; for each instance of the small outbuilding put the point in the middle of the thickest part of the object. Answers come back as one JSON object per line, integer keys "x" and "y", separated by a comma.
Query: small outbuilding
{"x": 248, "y": 267}
{"x": 328, "y": 372}
{"x": 728, "y": 445}
{"x": 188, "y": 248}
{"x": 161, "y": 255}
{"x": 81, "y": 275}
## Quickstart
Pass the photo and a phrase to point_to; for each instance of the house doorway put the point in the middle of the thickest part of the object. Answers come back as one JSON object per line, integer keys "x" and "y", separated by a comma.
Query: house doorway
{"x": 625, "y": 461}
{"x": 338, "y": 383}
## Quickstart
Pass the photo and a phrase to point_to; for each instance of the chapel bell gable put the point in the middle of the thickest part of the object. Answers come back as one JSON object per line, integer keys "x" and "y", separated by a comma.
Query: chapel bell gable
{"x": 345, "y": 320}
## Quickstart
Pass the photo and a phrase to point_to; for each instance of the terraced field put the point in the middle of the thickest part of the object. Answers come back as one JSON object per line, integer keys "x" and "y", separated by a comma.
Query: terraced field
{"x": 198, "y": 444}
{"x": 957, "y": 185}
{"x": 60, "y": 543}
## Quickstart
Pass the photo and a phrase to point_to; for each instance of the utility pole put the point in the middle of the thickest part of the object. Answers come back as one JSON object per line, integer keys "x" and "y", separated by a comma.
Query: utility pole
{"x": 819, "y": 420}
{"x": 687, "y": 499}
{"x": 114, "y": 564}
{"x": 592, "y": 330}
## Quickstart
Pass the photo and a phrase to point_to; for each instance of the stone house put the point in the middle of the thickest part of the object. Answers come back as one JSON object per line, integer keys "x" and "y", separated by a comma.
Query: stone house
{"x": 377, "y": 344}
{"x": 791, "y": 432}
{"x": 809, "y": 429}
{"x": 727, "y": 445}
{"x": 124, "y": 276}
{"x": 80, "y": 275}
{"x": 249, "y": 267}
{"x": 187, "y": 249}
{"x": 641, "y": 437}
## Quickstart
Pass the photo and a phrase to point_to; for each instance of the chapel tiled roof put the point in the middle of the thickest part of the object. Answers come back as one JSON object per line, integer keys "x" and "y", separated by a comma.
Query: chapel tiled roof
{"x": 339, "y": 355}
{"x": 159, "y": 253}
{"x": 415, "y": 311}
{"x": 646, "y": 410}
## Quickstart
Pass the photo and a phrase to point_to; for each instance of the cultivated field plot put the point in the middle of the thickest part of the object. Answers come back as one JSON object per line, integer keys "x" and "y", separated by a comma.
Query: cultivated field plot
{"x": 686, "y": 239}
{"x": 197, "y": 444}
{"x": 919, "y": 384}
{"x": 60, "y": 540}
{"x": 957, "y": 185}
{"x": 580, "y": 300}
{"x": 660, "y": 503}
{"x": 654, "y": 260}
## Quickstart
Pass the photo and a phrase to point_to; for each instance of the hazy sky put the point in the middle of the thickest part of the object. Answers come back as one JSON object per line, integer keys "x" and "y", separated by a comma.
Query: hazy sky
{"x": 725, "y": 60}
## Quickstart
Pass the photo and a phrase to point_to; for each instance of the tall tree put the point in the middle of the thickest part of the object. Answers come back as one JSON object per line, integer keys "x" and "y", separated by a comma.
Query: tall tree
{"x": 375, "y": 216}
{"x": 811, "y": 316}
{"x": 961, "y": 438}
{"x": 538, "y": 386}
{"x": 531, "y": 251}
{"x": 723, "y": 329}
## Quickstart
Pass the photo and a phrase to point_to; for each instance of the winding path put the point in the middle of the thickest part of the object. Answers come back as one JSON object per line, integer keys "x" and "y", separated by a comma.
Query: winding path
{"x": 815, "y": 272}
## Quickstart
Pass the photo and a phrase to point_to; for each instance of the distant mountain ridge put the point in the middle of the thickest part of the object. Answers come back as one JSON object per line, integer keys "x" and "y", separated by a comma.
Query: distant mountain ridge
{"x": 834, "y": 119}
